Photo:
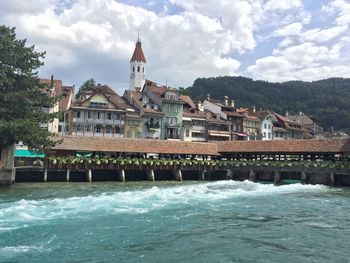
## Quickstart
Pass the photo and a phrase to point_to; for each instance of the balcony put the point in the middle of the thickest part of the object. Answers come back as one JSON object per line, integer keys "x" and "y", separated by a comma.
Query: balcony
{"x": 219, "y": 132}
{"x": 99, "y": 121}
{"x": 198, "y": 139}
{"x": 198, "y": 128}
{"x": 172, "y": 137}
{"x": 152, "y": 125}
{"x": 173, "y": 125}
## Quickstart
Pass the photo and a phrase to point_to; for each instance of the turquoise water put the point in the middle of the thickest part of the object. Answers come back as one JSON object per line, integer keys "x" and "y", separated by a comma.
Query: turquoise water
{"x": 223, "y": 221}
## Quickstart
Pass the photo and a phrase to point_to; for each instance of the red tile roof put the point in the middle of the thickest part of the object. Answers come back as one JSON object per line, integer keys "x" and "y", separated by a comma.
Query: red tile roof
{"x": 286, "y": 146}
{"x": 233, "y": 113}
{"x": 65, "y": 91}
{"x": 188, "y": 101}
{"x": 110, "y": 94}
{"x": 138, "y": 53}
{"x": 67, "y": 95}
{"x": 83, "y": 143}
{"x": 198, "y": 114}
{"x": 136, "y": 98}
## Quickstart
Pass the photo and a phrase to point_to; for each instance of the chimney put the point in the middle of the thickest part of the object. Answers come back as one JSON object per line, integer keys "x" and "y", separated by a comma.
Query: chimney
{"x": 233, "y": 103}
{"x": 300, "y": 113}
{"x": 254, "y": 110}
{"x": 200, "y": 106}
{"x": 286, "y": 114}
{"x": 226, "y": 100}
{"x": 208, "y": 96}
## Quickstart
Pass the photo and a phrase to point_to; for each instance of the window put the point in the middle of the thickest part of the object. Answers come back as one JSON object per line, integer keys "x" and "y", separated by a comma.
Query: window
{"x": 78, "y": 114}
{"x": 264, "y": 135}
{"x": 269, "y": 126}
{"x": 109, "y": 116}
{"x": 89, "y": 114}
{"x": 117, "y": 129}
{"x": 133, "y": 68}
{"x": 129, "y": 134}
{"x": 88, "y": 128}
{"x": 133, "y": 123}
{"x": 138, "y": 135}
{"x": 187, "y": 133}
{"x": 79, "y": 128}
{"x": 98, "y": 129}
{"x": 138, "y": 68}
{"x": 108, "y": 130}
{"x": 265, "y": 126}
{"x": 176, "y": 108}
{"x": 143, "y": 69}
{"x": 269, "y": 135}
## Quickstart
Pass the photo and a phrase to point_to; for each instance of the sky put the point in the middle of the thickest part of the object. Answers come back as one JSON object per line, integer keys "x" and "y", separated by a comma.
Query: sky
{"x": 273, "y": 40}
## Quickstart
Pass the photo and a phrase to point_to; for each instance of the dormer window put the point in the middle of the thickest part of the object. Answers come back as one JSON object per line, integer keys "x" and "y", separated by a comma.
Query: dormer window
{"x": 145, "y": 100}
{"x": 171, "y": 96}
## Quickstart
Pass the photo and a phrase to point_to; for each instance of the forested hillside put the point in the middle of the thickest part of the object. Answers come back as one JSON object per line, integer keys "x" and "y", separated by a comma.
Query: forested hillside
{"x": 328, "y": 100}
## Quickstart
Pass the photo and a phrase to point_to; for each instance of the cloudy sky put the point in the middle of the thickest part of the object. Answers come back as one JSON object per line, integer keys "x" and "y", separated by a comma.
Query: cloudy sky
{"x": 274, "y": 40}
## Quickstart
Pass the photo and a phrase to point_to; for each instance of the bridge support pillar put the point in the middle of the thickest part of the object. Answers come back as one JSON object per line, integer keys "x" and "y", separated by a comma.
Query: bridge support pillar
{"x": 276, "y": 178}
{"x": 7, "y": 176}
{"x": 177, "y": 174}
{"x": 150, "y": 175}
{"x": 202, "y": 175}
{"x": 89, "y": 175}
{"x": 67, "y": 175}
{"x": 252, "y": 175}
{"x": 45, "y": 174}
{"x": 121, "y": 176}
{"x": 331, "y": 179}
{"x": 229, "y": 174}
{"x": 303, "y": 178}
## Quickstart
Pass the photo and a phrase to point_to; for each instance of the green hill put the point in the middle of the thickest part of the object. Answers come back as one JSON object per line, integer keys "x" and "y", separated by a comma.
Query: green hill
{"x": 328, "y": 100}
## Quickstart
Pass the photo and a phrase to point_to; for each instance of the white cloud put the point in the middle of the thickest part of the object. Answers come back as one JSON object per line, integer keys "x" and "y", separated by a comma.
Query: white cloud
{"x": 290, "y": 30}
{"x": 323, "y": 35}
{"x": 306, "y": 61}
{"x": 282, "y": 5}
{"x": 286, "y": 42}
{"x": 342, "y": 10}
{"x": 96, "y": 38}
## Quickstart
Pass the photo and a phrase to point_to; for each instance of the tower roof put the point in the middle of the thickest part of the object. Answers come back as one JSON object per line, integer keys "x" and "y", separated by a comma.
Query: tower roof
{"x": 138, "y": 53}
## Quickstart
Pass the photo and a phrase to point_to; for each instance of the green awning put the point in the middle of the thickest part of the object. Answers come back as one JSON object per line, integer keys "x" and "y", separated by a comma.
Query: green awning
{"x": 28, "y": 154}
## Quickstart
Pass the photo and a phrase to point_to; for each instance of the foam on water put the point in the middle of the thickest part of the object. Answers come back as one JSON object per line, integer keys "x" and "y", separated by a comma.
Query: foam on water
{"x": 22, "y": 212}
{"x": 40, "y": 247}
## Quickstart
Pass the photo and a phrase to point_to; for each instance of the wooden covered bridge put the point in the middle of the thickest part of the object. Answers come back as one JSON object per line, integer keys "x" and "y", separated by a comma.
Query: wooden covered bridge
{"x": 86, "y": 158}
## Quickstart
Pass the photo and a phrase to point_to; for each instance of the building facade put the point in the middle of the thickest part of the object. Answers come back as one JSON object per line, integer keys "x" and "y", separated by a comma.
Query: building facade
{"x": 99, "y": 112}
{"x": 168, "y": 101}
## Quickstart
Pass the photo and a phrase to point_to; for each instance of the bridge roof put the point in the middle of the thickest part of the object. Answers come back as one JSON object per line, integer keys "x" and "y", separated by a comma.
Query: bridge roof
{"x": 286, "y": 146}
{"x": 99, "y": 144}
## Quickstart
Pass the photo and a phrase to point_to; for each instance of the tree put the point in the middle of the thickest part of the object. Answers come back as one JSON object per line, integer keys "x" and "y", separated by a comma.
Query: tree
{"x": 87, "y": 85}
{"x": 22, "y": 97}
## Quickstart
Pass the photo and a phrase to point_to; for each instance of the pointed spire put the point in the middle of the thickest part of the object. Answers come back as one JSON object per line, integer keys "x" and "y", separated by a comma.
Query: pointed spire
{"x": 138, "y": 53}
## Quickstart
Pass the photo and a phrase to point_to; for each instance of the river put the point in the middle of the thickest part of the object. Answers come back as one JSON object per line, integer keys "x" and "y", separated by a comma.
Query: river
{"x": 190, "y": 221}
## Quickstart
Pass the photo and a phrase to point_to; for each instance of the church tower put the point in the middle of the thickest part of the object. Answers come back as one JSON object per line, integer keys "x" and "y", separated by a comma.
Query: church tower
{"x": 137, "y": 68}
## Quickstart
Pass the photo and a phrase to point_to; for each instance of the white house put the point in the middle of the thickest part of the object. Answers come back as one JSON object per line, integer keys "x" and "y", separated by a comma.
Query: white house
{"x": 267, "y": 120}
